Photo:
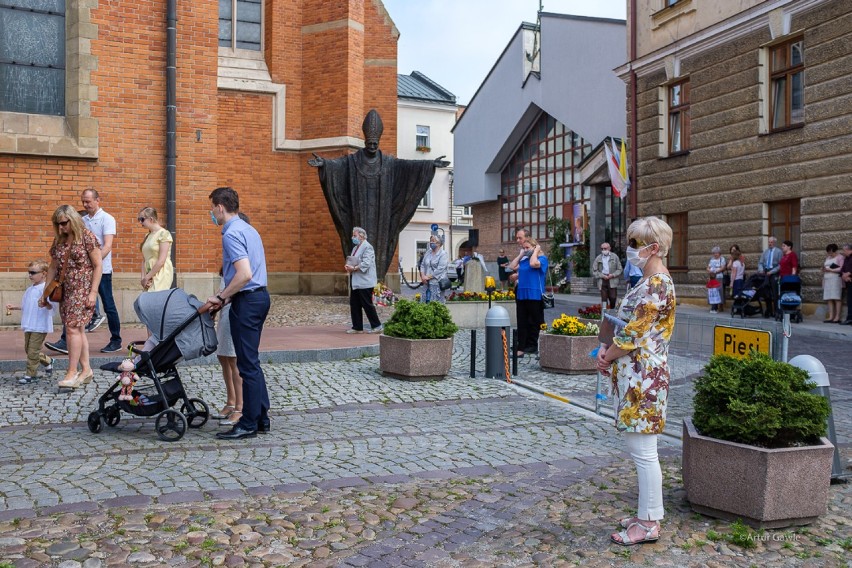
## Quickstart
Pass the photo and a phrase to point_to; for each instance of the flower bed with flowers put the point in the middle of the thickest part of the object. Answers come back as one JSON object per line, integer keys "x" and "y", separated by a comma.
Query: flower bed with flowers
{"x": 508, "y": 296}
{"x": 569, "y": 325}
{"x": 566, "y": 344}
{"x": 590, "y": 312}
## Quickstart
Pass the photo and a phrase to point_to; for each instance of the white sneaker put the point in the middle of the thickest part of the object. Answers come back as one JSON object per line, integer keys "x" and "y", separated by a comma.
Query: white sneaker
{"x": 25, "y": 380}
{"x": 49, "y": 367}
{"x": 379, "y": 329}
{"x": 354, "y": 331}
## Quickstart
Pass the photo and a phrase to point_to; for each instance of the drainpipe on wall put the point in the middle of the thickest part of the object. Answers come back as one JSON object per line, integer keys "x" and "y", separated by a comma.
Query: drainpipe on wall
{"x": 171, "y": 124}
{"x": 634, "y": 208}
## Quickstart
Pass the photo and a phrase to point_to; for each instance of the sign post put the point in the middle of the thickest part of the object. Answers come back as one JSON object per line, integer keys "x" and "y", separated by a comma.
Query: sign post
{"x": 738, "y": 342}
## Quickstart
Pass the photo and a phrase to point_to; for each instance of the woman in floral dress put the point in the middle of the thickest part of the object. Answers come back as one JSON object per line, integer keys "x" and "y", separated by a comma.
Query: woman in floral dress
{"x": 75, "y": 249}
{"x": 638, "y": 363}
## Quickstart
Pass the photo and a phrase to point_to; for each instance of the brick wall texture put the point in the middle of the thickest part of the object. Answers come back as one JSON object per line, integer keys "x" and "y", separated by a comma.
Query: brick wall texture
{"x": 731, "y": 170}
{"x": 337, "y": 60}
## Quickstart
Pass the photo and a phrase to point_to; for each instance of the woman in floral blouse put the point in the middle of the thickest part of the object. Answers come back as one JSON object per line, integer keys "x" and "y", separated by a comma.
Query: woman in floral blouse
{"x": 75, "y": 251}
{"x": 638, "y": 363}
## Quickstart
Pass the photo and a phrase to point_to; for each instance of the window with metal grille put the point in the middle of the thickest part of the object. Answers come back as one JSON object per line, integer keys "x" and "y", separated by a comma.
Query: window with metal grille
{"x": 541, "y": 181}
{"x": 241, "y": 24}
{"x": 32, "y": 56}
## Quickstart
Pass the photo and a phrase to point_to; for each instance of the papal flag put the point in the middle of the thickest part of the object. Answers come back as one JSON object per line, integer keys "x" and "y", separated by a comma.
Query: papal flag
{"x": 617, "y": 163}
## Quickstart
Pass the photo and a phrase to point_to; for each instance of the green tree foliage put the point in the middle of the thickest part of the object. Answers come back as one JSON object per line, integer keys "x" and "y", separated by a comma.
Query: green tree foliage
{"x": 758, "y": 401}
{"x": 416, "y": 320}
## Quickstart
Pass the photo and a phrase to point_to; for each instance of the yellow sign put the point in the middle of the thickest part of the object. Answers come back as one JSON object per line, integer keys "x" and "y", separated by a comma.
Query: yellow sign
{"x": 737, "y": 342}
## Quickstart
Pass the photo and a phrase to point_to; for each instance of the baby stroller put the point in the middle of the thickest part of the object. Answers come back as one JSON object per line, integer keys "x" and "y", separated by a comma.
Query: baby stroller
{"x": 754, "y": 298}
{"x": 180, "y": 328}
{"x": 790, "y": 298}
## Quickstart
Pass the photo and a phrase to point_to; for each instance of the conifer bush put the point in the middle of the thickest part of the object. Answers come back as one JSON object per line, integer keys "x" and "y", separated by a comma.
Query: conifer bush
{"x": 415, "y": 320}
{"x": 758, "y": 401}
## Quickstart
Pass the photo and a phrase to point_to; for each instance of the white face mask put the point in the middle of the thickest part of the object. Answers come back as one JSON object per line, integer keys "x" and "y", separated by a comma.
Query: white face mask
{"x": 605, "y": 252}
{"x": 634, "y": 258}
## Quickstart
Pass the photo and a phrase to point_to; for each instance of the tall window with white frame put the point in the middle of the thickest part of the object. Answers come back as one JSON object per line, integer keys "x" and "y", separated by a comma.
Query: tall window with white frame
{"x": 32, "y": 56}
{"x": 241, "y": 24}
{"x": 422, "y": 141}
{"x": 427, "y": 199}
{"x": 787, "y": 75}
{"x": 678, "y": 97}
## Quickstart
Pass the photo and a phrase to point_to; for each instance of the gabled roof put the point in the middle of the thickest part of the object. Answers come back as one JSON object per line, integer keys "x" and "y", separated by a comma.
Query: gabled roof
{"x": 419, "y": 87}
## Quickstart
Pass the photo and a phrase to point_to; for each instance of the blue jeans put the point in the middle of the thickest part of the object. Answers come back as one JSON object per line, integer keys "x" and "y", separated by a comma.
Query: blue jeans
{"x": 105, "y": 292}
{"x": 248, "y": 313}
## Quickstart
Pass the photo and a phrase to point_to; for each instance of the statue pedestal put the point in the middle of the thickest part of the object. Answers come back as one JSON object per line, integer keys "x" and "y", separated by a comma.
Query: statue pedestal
{"x": 474, "y": 276}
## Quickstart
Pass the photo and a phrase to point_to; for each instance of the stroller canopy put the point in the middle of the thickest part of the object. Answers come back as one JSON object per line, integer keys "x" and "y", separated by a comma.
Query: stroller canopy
{"x": 165, "y": 311}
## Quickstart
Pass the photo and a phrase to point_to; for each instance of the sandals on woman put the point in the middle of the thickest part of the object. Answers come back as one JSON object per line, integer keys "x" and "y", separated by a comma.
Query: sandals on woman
{"x": 627, "y": 541}
{"x": 224, "y": 413}
{"x": 233, "y": 418}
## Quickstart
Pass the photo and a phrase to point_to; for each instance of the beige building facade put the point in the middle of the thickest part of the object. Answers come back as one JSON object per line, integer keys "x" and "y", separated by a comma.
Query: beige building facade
{"x": 739, "y": 118}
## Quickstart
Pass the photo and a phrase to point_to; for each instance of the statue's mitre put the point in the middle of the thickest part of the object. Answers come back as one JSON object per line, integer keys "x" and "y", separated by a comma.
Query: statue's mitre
{"x": 372, "y": 126}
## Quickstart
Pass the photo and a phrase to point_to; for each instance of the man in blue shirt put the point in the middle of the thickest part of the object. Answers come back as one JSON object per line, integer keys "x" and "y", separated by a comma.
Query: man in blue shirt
{"x": 244, "y": 271}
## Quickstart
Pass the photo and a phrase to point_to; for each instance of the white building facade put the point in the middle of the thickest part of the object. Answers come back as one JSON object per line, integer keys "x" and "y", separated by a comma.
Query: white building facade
{"x": 426, "y": 115}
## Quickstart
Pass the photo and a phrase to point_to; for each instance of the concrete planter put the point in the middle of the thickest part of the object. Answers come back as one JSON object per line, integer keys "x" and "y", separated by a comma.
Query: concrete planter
{"x": 567, "y": 354}
{"x": 415, "y": 359}
{"x": 471, "y": 315}
{"x": 766, "y": 488}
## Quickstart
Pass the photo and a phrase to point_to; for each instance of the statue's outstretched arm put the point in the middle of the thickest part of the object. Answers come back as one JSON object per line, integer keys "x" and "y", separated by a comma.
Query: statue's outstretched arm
{"x": 318, "y": 162}
{"x": 439, "y": 162}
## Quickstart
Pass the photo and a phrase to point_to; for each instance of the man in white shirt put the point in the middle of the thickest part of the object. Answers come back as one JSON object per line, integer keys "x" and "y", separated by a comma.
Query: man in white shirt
{"x": 102, "y": 224}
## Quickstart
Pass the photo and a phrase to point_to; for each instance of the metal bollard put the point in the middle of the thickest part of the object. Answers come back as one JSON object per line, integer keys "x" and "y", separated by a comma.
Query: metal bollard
{"x": 817, "y": 372}
{"x": 497, "y": 322}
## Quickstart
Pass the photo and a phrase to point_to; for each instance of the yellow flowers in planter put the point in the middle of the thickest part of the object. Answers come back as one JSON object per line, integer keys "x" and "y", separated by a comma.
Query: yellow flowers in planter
{"x": 498, "y": 296}
{"x": 569, "y": 325}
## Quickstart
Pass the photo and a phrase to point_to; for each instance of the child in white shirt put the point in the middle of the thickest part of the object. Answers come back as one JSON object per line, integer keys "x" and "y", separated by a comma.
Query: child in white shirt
{"x": 36, "y": 322}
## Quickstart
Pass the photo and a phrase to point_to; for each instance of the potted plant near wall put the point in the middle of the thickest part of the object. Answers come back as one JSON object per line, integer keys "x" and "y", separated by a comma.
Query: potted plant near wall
{"x": 417, "y": 342}
{"x": 755, "y": 446}
{"x": 564, "y": 347}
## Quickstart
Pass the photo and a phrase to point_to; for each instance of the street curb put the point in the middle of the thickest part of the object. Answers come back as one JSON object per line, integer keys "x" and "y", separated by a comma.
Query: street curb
{"x": 268, "y": 357}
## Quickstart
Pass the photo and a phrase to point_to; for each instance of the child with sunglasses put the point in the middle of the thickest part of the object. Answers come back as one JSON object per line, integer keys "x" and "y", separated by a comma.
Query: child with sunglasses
{"x": 36, "y": 322}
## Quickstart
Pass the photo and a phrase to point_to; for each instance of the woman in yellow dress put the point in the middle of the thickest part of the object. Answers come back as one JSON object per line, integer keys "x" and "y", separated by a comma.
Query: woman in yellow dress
{"x": 157, "y": 269}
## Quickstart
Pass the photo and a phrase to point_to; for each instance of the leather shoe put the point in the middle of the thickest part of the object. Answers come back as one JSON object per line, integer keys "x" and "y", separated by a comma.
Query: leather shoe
{"x": 263, "y": 425}
{"x": 236, "y": 433}
{"x": 847, "y": 322}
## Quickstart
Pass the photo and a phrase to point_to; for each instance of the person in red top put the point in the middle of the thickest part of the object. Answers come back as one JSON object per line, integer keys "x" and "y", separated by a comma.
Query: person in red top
{"x": 789, "y": 261}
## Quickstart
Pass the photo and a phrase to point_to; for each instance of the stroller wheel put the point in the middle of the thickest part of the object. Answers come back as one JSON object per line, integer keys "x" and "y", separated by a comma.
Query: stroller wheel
{"x": 170, "y": 425}
{"x": 95, "y": 422}
{"x": 113, "y": 416}
{"x": 197, "y": 412}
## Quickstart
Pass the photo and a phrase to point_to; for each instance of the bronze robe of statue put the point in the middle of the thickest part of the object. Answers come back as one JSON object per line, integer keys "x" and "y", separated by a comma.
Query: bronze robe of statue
{"x": 380, "y": 196}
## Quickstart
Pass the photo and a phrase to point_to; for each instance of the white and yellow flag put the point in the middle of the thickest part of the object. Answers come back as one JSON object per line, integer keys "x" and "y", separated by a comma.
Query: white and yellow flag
{"x": 617, "y": 163}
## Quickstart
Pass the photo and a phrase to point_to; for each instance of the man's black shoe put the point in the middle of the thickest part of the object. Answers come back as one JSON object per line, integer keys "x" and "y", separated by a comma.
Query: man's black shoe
{"x": 263, "y": 425}
{"x": 236, "y": 433}
{"x": 58, "y": 346}
{"x": 847, "y": 322}
{"x": 112, "y": 347}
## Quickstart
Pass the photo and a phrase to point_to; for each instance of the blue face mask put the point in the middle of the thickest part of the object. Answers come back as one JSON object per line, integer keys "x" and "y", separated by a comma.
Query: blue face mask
{"x": 213, "y": 218}
{"x": 433, "y": 246}
{"x": 356, "y": 241}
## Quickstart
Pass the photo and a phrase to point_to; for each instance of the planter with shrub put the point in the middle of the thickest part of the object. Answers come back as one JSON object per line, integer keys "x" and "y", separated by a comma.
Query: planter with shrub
{"x": 755, "y": 447}
{"x": 417, "y": 343}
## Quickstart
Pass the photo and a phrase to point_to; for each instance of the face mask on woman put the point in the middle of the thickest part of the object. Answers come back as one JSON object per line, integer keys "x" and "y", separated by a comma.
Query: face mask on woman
{"x": 634, "y": 258}
{"x": 356, "y": 241}
{"x": 433, "y": 246}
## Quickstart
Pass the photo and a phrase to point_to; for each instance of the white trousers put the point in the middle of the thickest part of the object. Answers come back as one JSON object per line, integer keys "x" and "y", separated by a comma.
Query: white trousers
{"x": 643, "y": 450}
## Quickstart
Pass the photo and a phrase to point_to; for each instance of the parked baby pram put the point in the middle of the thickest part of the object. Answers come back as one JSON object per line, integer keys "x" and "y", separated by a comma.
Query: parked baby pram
{"x": 790, "y": 298}
{"x": 180, "y": 328}
{"x": 754, "y": 299}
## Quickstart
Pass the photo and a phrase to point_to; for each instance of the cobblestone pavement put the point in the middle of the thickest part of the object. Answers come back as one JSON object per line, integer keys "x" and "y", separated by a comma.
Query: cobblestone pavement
{"x": 360, "y": 470}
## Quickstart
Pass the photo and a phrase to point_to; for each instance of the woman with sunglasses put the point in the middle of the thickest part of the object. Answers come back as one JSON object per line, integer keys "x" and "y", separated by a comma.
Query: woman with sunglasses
{"x": 157, "y": 269}
{"x": 637, "y": 361}
{"x": 76, "y": 260}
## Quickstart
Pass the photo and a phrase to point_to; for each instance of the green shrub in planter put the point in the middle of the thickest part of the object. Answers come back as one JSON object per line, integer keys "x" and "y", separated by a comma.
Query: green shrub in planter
{"x": 758, "y": 401}
{"x": 415, "y": 320}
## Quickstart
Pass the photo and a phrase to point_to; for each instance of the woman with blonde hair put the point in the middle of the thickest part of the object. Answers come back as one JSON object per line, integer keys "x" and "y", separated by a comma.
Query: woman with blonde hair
{"x": 157, "y": 269}
{"x": 637, "y": 361}
{"x": 76, "y": 261}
